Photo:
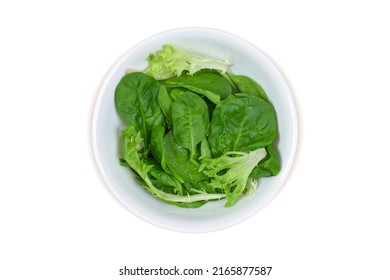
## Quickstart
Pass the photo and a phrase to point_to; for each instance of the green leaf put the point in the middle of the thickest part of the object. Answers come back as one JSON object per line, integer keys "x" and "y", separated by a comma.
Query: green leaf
{"x": 205, "y": 151}
{"x": 269, "y": 166}
{"x": 244, "y": 84}
{"x": 170, "y": 61}
{"x": 165, "y": 102}
{"x": 177, "y": 158}
{"x": 157, "y": 142}
{"x": 166, "y": 180}
{"x": 241, "y": 123}
{"x": 136, "y": 102}
{"x": 209, "y": 84}
{"x": 190, "y": 121}
{"x": 231, "y": 171}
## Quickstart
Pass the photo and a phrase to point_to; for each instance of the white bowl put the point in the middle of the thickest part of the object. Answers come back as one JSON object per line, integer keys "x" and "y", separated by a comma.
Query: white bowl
{"x": 107, "y": 126}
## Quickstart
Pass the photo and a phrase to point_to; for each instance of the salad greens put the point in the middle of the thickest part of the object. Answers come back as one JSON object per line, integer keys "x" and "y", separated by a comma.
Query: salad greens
{"x": 170, "y": 62}
{"x": 196, "y": 132}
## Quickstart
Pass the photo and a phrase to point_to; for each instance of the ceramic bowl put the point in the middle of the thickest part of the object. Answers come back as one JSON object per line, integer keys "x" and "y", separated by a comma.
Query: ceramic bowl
{"x": 107, "y": 126}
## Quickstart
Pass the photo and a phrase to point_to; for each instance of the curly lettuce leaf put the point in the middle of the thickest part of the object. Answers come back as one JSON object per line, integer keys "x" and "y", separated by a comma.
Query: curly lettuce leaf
{"x": 170, "y": 62}
{"x": 231, "y": 171}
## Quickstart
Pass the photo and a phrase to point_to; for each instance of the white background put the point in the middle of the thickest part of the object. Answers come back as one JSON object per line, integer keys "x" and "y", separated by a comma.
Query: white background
{"x": 59, "y": 220}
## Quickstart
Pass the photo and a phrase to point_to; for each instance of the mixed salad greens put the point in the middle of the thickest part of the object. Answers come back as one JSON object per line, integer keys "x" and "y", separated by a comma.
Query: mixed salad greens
{"x": 196, "y": 132}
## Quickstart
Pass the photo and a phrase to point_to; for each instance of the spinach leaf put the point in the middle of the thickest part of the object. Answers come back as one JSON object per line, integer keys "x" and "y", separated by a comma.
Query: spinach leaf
{"x": 177, "y": 158}
{"x": 165, "y": 102}
{"x": 136, "y": 103}
{"x": 209, "y": 84}
{"x": 269, "y": 166}
{"x": 190, "y": 117}
{"x": 241, "y": 123}
{"x": 166, "y": 180}
{"x": 175, "y": 92}
{"x": 157, "y": 142}
{"x": 247, "y": 85}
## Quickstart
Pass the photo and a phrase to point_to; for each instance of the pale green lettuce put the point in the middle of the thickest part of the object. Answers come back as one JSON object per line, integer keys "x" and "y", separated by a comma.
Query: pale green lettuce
{"x": 170, "y": 62}
{"x": 231, "y": 171}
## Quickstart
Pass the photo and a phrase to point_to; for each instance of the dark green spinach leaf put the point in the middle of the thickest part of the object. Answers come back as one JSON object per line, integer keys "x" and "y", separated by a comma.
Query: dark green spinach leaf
{"x": 190, "y": 117}
{"x": 241, "y": 123}
{"x": 136, "y": 103}
{"x": 269, "y": 166}
{"x": 177, "y": 158}
{"x": 209, "y": 84}
{"x": 165, "y": 102}
{"x": 157, "y": 142}
{"x": 247, "y": 85}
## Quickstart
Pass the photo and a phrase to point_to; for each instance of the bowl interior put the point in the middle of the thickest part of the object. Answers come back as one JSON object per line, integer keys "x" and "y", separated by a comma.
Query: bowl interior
{"x": 107, "y": 126}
